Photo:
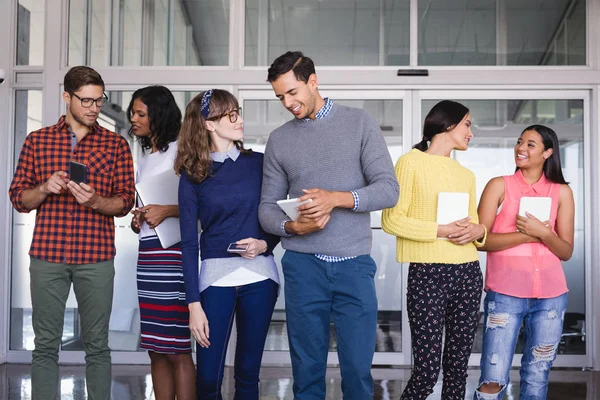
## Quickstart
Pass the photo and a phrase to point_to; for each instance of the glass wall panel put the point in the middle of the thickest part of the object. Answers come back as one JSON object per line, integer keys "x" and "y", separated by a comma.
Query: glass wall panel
{"x": 332, "y": 32}
{"x": 30, "y": 32}
{"x": 124, "y": 328}
{"x": 127, "y": 50}
{"x": 488, "y": 32}
{"x": 160, "y": 54}
{"x": 497, "y": 124}
{"x": 28, "y": 117}
{"x": 261, "y": 117}
{"x": 136, "y": 32}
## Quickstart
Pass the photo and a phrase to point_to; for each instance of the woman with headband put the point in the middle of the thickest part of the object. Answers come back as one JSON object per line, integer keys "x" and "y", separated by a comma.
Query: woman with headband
{"x": 220, "y": 185}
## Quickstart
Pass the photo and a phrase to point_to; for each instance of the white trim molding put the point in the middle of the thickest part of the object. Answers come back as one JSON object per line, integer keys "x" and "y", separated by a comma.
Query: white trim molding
{"x": 7, "y": 61}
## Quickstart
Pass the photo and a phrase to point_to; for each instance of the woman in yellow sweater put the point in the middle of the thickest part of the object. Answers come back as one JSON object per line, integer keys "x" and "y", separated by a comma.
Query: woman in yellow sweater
{"x": 444, "y": 280}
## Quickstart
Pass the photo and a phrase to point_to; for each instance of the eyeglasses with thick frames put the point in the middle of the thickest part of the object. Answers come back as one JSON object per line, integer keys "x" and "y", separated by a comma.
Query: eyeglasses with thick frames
{"x": 233, "y": 115}
{"x": 86, "y": 102}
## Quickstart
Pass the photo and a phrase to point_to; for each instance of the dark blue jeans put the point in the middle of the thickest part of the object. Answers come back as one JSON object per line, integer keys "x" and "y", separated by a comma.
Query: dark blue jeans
{"x": 252, "y": 306}
{"x": 315, "y": 293}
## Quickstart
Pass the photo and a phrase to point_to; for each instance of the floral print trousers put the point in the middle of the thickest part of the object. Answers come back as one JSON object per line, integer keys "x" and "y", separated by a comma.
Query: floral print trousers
{"x": 442, "y": 296}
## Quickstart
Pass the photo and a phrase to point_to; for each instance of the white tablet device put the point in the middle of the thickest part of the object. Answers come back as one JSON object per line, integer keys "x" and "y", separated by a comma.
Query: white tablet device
{"x": 539, "y": 207}
{"x": 290, "y": 207}
{"x": 452, "y": 206}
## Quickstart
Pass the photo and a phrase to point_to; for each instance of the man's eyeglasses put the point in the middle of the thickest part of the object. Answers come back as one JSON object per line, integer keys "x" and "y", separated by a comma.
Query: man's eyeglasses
{"x": 233, "y": 115}
{"x": 86, "y": 102}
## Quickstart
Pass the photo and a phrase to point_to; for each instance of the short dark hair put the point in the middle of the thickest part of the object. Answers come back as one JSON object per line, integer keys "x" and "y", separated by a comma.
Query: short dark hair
{"x": 163, "y": 113}
{"x": 80, "y": 76}
{"x": 444, "y": 116}
{"x": 302, "y": 66}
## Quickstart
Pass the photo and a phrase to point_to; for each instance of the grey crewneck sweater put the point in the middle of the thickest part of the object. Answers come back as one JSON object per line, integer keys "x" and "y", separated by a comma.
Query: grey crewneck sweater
{"x": 344, "y": 151}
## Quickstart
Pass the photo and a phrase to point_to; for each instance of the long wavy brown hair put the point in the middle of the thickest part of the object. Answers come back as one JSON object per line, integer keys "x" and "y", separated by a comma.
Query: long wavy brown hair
{"x": 195, "y": 144}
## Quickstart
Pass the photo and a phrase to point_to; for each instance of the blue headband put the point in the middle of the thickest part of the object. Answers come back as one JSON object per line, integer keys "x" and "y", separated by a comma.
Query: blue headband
{"x": 205, "y": 103}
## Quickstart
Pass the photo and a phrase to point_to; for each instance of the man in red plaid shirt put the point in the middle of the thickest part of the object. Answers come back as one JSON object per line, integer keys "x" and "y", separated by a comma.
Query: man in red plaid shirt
{"x": 74, "y": 235}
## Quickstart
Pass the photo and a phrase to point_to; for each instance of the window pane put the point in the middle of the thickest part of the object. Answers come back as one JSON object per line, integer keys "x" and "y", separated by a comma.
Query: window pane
{"x": 137, "y": 32}
{"x": 497, "y": 125}
{"x": 332, "y": 32}
{"x": 30, "y": 32}
{"x": 28, "y": 117}
{"x": 486, "y": 32}
{"x": 261, "y": 117}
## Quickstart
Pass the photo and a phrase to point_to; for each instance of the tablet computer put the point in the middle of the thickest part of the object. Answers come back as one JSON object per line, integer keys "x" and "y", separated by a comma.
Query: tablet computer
{"x": 290, "y": 207}
{"x": 452, "y": 206}
{"x": 163, "y": 189}
{"x": 539, "y": 207}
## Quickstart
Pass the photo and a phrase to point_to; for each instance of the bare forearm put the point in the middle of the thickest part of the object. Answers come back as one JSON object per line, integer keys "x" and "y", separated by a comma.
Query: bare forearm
{"x": 503, "y": 241}
{"x": 172, "y": 211}
{"x": 109, "y": 205}
{"x": 32, "y": 198}
{"x": 195, "y": 306}
{"x": 344, "y": 200}
{"x": 561, "y": 248}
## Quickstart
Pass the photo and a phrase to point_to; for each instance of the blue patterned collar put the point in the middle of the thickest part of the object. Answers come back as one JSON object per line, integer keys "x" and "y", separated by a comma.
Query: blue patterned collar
{"x": 234, "y": 153}
{"x": 323, "y": 112}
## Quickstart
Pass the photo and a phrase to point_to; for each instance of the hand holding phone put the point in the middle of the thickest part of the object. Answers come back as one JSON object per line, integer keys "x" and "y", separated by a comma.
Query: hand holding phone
{"x": 77, "y": 172}
{"x": 237, "y": 248}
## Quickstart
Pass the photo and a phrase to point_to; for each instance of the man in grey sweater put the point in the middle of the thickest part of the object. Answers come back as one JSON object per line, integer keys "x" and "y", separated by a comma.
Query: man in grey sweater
{"x": 337, "y": 157}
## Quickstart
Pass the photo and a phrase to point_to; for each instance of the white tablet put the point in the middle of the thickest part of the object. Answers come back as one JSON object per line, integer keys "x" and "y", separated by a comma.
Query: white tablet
{"x": 539, "y": 207}
{"x": 162, "y": 189}
{"x": 290, "y": 207}
{"x": 452, "y": 206}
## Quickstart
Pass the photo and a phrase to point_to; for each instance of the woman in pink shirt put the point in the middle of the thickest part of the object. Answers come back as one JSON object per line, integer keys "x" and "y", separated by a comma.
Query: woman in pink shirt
{"x": 525, "y": 282}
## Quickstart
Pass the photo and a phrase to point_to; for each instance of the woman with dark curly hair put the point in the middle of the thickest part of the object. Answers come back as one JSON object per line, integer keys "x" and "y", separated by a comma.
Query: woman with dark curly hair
{"x": 155, "y": 123}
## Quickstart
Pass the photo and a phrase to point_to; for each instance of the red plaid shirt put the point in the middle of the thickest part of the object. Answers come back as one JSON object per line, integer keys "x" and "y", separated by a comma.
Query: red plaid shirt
{"x": 66, "y": 231}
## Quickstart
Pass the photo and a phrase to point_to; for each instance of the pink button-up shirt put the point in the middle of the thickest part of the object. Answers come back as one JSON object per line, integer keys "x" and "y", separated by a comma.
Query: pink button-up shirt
{"x": 529, "y": 270}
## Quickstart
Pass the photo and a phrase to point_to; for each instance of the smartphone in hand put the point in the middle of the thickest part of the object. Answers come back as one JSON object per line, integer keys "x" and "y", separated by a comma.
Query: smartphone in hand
{"x": 237, "y": 248}
{"x": 78, "y": 172}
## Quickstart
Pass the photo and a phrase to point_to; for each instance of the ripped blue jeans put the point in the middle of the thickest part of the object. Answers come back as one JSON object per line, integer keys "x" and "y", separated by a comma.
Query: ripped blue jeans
{"x": 543, "y": 324}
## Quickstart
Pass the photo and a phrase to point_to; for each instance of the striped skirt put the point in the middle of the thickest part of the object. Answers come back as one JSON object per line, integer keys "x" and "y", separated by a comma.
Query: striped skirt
{"x": 164, "y": 313}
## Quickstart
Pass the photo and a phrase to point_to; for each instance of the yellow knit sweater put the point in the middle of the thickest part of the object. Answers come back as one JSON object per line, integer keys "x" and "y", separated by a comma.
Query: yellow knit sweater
{"x": 413, "y": 220}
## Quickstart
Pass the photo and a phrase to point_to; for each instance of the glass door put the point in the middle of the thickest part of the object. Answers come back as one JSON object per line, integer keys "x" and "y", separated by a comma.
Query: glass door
{"x": 263, "y": 113}
{"x": 499, "y": 117}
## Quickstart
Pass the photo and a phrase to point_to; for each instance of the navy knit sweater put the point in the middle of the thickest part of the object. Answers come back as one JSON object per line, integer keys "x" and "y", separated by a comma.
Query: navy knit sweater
{"x": 227, "y": 205}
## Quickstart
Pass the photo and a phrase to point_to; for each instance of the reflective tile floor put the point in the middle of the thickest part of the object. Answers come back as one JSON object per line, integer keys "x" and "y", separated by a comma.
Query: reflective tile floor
{"x": 134, "y": 383}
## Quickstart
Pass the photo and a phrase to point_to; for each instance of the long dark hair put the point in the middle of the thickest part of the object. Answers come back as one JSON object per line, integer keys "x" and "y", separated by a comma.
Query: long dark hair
{"x": 163, "y": 113}
{"x": 442, "y": 117}
{"x": 552, "y": 166}
{"x": 193, "y": 152}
